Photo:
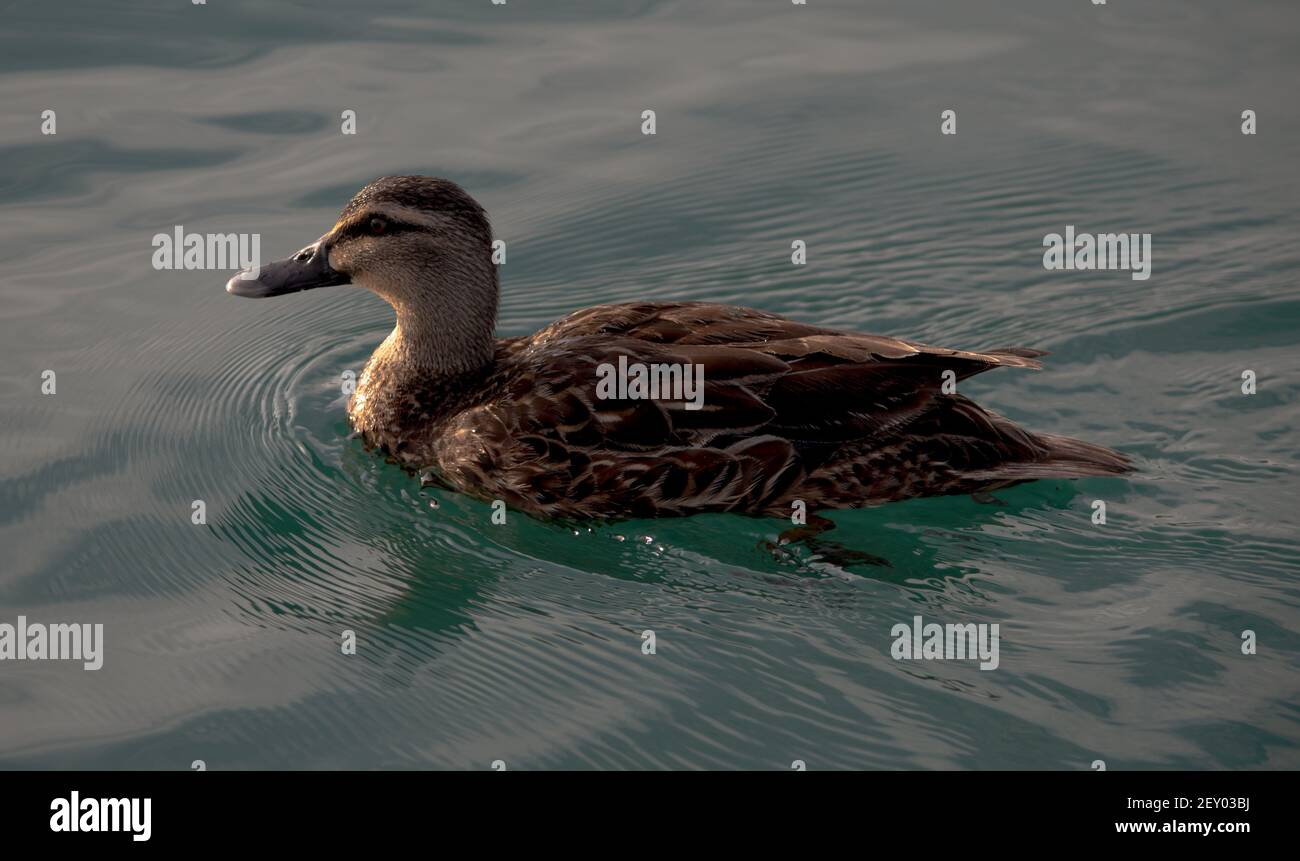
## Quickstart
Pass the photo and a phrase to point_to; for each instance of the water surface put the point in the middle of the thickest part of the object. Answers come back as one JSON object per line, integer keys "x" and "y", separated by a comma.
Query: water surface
{"x": 775, "y": 122}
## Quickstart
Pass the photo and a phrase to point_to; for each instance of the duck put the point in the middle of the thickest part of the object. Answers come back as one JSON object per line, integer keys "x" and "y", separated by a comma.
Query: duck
{"x": 791, "y": 414}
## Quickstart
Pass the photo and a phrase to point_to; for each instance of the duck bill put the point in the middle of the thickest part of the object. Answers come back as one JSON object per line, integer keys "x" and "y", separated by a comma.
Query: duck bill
{"x": 306, "y": 270}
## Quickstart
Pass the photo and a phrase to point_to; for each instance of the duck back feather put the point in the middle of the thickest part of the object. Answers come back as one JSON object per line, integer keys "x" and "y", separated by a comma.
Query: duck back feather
{"x": 790, "y": 412}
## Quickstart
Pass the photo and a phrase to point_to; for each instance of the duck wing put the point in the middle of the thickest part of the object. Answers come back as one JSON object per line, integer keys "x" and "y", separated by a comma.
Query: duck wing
{"x": 785, "y": 405}
{"x": 710, "y": 323}
{"x": 810, "y": 385}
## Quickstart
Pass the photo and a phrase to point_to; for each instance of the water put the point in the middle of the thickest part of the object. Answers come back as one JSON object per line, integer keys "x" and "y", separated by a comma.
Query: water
{"x": 522, "y": 642}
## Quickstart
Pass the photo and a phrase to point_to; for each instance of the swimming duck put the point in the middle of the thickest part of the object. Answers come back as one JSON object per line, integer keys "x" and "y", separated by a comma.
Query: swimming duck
{"x": 790, "y": 411}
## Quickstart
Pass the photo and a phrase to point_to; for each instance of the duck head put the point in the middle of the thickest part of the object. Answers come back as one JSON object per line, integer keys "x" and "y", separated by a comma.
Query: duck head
{"x": 423, "y": 245}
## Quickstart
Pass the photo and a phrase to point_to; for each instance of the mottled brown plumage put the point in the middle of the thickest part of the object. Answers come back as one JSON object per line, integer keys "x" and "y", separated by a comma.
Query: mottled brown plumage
{"x": 790, "y": 411}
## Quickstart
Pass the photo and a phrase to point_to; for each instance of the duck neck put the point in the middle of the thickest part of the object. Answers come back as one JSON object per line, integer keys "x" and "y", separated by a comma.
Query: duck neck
{"x": 431, "y": 364}
{"x": 419, "y": 373}
{"x": 450, "y": 343}
{"x": 446, "y": 318}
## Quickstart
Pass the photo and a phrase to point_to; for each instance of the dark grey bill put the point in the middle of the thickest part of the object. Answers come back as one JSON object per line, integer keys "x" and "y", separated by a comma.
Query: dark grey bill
{"x": 306, "y": 270}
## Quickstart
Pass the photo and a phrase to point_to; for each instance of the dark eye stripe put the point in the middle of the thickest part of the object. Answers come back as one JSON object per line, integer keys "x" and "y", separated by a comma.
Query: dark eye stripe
{"x": 361, "y": 227}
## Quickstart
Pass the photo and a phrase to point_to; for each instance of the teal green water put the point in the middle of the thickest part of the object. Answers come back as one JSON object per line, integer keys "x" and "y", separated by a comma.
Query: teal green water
{"x": 522, "y": 642}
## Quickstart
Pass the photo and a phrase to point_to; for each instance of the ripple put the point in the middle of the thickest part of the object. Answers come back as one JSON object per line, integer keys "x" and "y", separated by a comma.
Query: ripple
{"x": 523, "y": 641}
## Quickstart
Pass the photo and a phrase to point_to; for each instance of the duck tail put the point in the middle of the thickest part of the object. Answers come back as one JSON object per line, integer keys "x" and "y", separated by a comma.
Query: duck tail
{"x": 1022, "y": 352}
{"x": 1064, "y": 457}
{"x": 1083, "y": 458}
{"x": 1020, "y": 357}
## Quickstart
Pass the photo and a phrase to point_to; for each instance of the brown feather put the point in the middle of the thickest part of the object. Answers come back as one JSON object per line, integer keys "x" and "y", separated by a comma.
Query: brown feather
{"x": 791, "y": 412}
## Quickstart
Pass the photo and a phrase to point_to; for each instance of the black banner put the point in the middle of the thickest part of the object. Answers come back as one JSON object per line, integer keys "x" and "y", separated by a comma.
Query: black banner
{"x": 329, "y": 809}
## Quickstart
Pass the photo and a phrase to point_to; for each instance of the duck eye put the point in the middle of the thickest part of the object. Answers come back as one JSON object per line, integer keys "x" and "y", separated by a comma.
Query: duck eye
{"x": 377, "y": 226}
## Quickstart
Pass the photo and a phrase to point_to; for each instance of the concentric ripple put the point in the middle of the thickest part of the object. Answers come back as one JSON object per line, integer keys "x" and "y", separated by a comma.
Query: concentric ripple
{"x": 229, "y": 639}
